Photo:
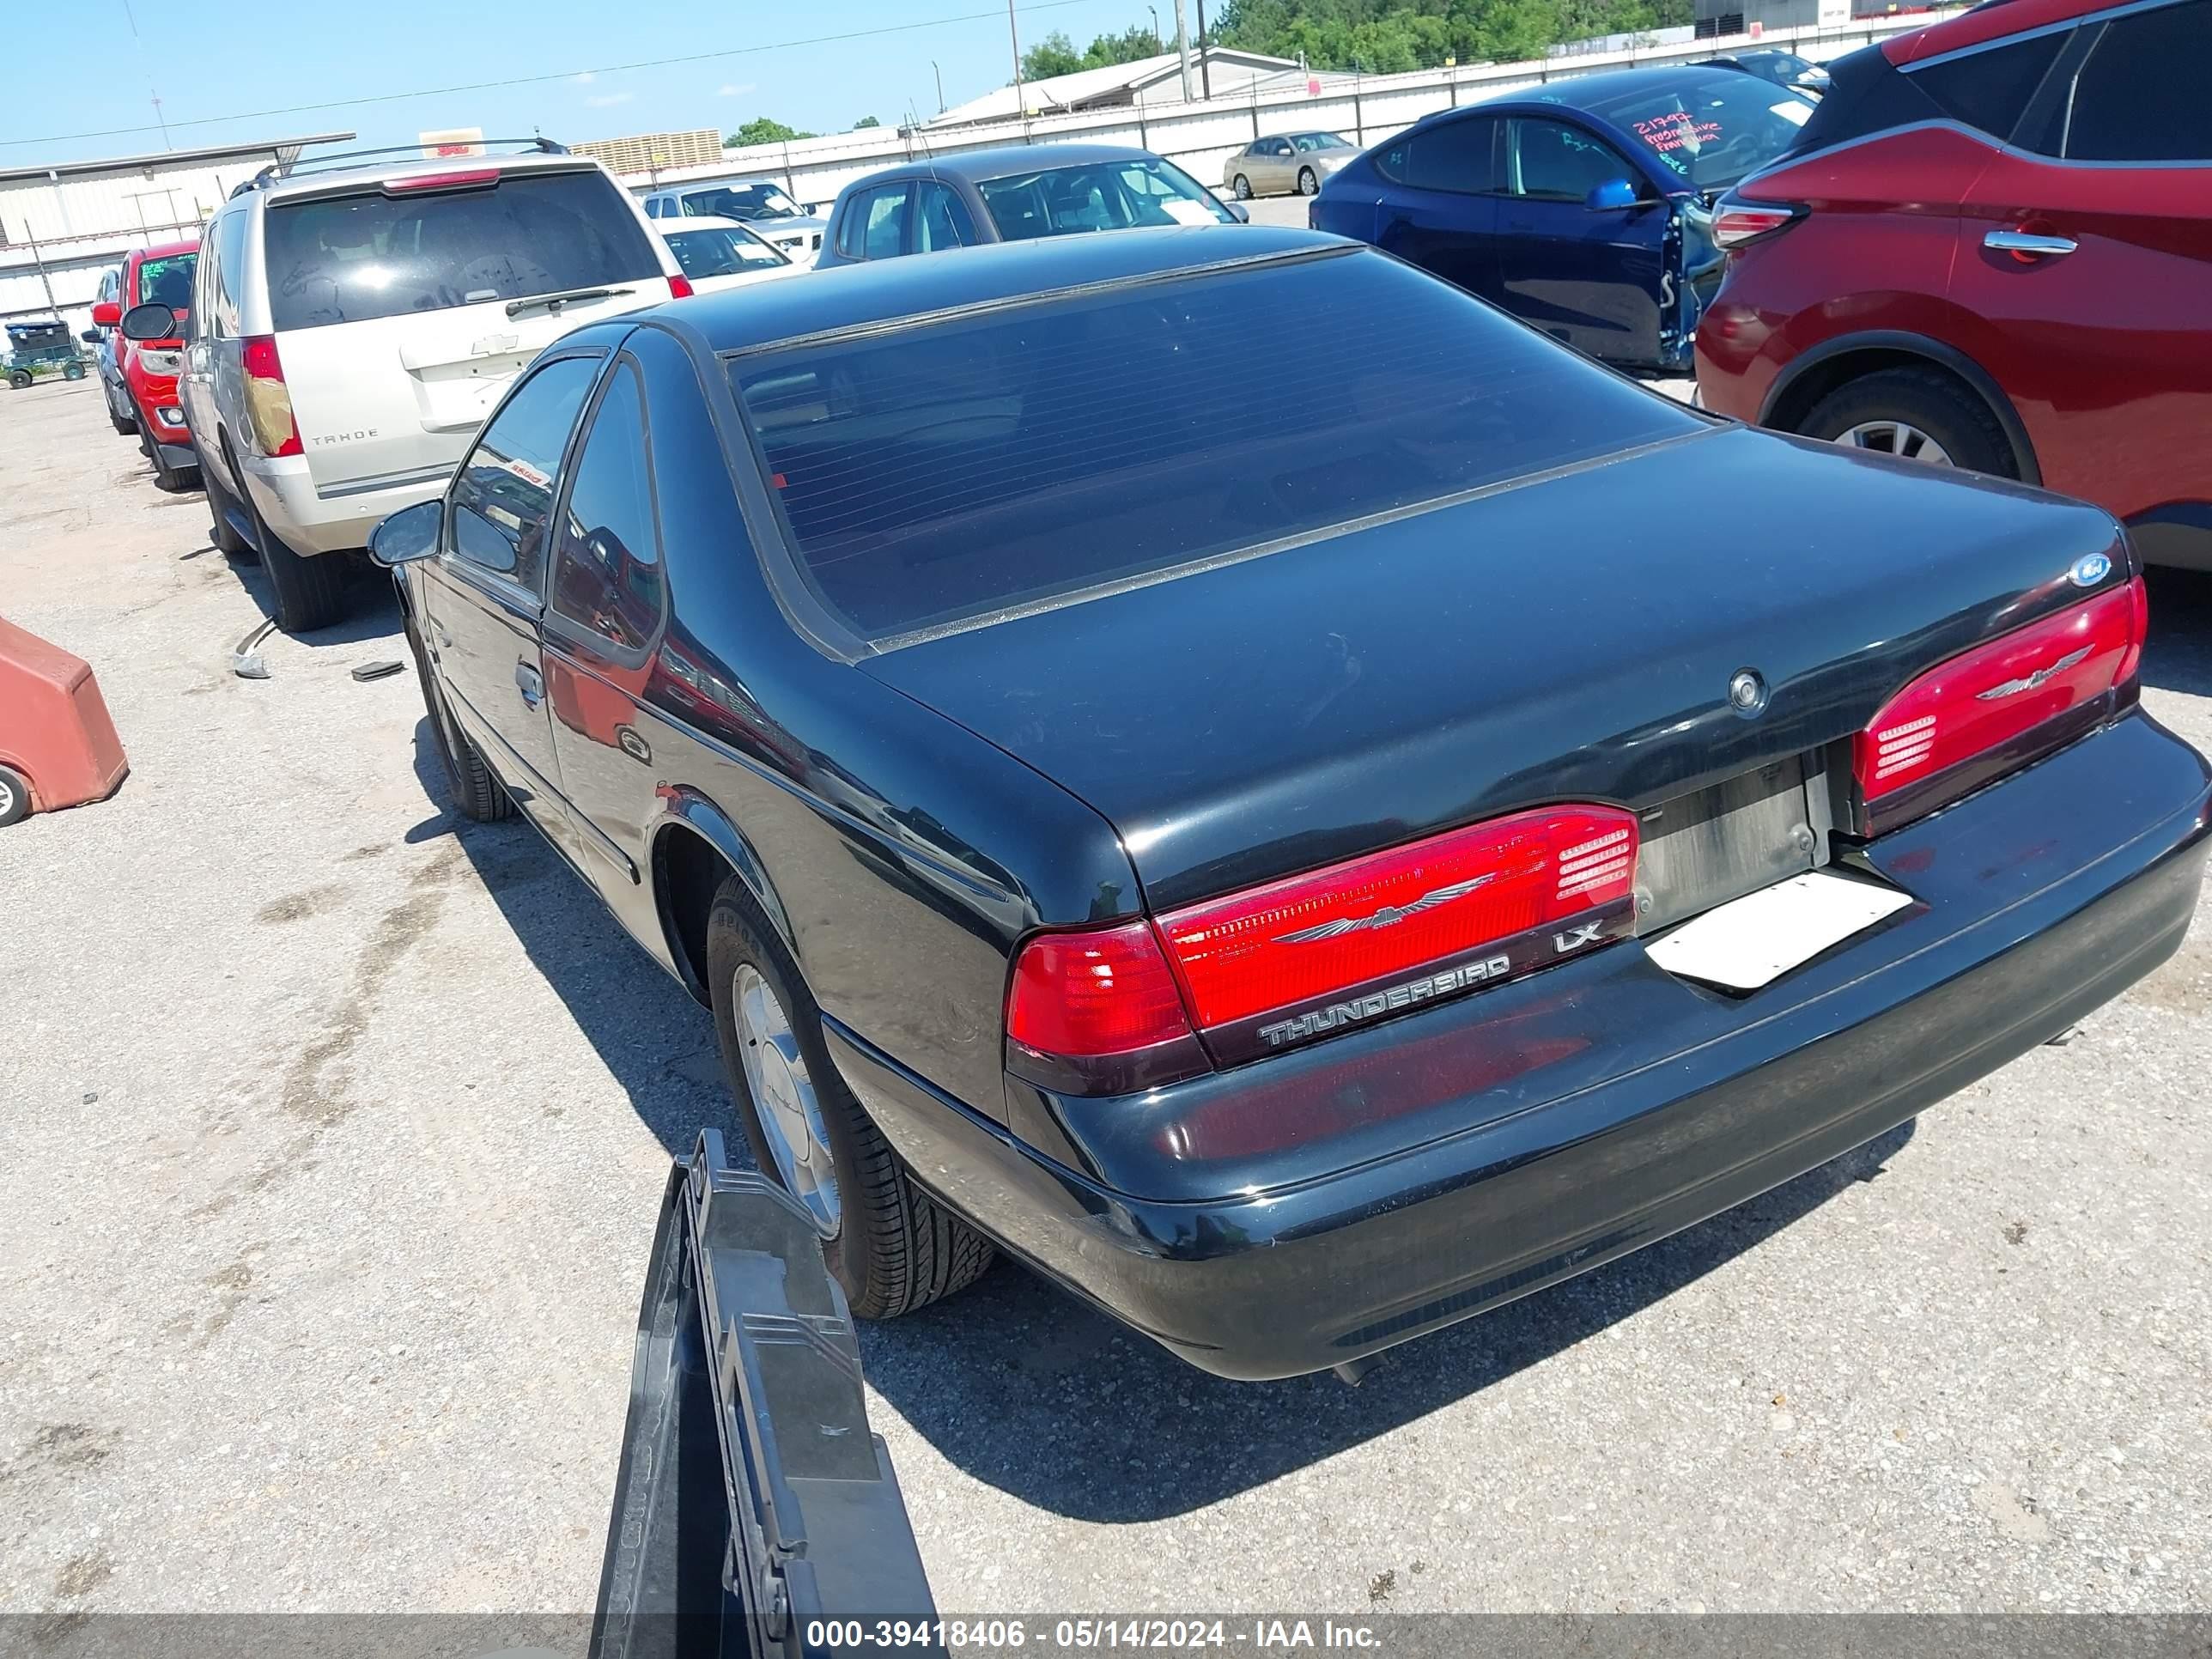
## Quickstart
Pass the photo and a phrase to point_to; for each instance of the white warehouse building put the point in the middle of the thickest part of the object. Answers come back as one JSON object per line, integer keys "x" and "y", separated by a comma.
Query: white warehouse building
{"x": 62, "y": 225}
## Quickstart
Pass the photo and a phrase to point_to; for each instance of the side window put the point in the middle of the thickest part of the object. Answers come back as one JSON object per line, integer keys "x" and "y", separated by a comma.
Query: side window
{"x": 228, "y": 245}
{"x": 1279, "y": 147}
{"x": 606, "y": 574}
{"x": 2145, "y": 94}
{"x": 1458, "y": 155}
{"x": 504, "y": 493}
{"x": 882, "y": 235}
{"x": 1563, "y": 163}
{"x": 1991, "y": 90}
{"x": 856, "y": 217}
{"x": 942, "y": 221}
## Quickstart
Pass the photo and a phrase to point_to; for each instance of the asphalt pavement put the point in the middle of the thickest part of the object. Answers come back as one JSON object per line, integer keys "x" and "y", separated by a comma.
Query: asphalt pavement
{"x": 332, "y": 1132}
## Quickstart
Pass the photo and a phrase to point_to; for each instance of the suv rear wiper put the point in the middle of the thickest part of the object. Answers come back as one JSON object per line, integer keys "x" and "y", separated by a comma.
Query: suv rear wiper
{"x": 555, "y": 301}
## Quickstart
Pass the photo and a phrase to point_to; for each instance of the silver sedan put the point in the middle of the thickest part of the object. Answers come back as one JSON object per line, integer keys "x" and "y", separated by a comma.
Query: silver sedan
{"x": 1286, "y": 162}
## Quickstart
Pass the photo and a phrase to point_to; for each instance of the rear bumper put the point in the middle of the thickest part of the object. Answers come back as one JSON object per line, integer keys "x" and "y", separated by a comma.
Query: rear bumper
{"x": 1550, "y": 1125}
{"x": 338, "y": 516}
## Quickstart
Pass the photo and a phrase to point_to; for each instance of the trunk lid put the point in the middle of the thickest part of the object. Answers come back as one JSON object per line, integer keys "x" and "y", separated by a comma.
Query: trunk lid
{"x": 1573, "y": 639}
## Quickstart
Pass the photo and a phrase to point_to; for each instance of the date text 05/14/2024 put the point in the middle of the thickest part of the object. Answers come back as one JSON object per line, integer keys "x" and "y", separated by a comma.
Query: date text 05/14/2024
{"x": 1009, "y": 1635}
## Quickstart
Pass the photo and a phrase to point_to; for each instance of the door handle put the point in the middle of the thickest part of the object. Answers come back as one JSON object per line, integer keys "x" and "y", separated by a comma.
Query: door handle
{"x": 2027, "y": 245}
{"x": 530, "y": 684}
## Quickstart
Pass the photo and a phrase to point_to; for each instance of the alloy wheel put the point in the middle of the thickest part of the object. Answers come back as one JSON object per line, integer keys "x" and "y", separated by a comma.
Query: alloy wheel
{"x": 784, "y": 1098}
{"x": 1899, "y": 438}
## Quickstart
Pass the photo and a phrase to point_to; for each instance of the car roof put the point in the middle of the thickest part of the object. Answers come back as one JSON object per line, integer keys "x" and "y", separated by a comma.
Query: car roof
{"x": 1581, "y": 92}
{"x": 1002, "y": 160}
{"x": 721, "y": 181}
{"x": 887, "y": 290}
{"x": 1994, "y": 20}
{"x": 339, "y": 180}
{"x": 161, "y": 251}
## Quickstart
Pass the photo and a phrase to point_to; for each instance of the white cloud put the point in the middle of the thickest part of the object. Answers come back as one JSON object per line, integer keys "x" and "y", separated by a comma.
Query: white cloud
{"x": 608, "y": 100}
{"x": 586, "y": 78}
{"x": 734, "y": 90}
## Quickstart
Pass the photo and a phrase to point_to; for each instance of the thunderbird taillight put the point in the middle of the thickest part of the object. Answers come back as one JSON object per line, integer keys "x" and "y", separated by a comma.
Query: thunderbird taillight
{"x": 1235, "y": 978}
{"x": 1993, "y": 710}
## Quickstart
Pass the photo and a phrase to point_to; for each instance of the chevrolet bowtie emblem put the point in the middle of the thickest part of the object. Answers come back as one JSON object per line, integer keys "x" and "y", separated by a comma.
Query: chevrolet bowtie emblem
{"x": 2035, "y": 682}
{"x": 1388, "y": 916}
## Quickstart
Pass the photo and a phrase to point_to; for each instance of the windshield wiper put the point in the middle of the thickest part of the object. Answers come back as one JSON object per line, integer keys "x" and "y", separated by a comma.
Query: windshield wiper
{"x": 553, "y": 302}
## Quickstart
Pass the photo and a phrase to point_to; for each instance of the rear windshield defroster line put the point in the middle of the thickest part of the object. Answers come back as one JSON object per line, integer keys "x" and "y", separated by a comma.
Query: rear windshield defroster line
{"x": 352, "y": 259}
{"x": 932, "y": 475}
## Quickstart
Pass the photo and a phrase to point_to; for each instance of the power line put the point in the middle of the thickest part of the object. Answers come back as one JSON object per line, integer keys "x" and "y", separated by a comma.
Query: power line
{"x": 538, "y": 80}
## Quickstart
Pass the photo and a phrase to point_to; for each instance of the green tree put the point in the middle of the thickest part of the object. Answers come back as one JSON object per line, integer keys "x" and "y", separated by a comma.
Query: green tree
{"x": 865, "y": 121}
{"x": 1056, "y": 54}
{"x": 1382, "y": 36}
{"x": 764, "y": 130}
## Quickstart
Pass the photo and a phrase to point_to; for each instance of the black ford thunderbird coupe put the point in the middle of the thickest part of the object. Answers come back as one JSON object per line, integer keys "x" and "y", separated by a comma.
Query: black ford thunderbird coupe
{"x": 1300, "y": 847}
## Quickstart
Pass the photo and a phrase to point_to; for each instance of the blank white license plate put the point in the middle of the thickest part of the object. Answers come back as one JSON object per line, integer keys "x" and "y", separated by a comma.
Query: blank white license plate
{"x": 1743, "y": 945}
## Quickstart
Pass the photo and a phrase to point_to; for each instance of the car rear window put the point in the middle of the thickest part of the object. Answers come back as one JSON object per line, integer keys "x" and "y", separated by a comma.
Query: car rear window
{"x": 387, "y": 253}
{"x": 935, "y": 475}
{"x": 1708, "y": 129}
{"x": 1116, "y": 195}
{"x": 719, "y": 251}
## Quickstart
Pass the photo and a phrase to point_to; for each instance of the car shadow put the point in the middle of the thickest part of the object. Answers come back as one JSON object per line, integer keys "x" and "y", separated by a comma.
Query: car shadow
{"x": 656, "y": 1043}
{"x": 371, "y": 609}
{"x": 1024, "y": 1387}
{"x": 2178, "y": 655}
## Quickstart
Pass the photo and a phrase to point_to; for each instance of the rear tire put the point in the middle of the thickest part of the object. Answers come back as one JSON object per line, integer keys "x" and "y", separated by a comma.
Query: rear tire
{"x": 1244, "y": 188}
{"x": 476, "y": 791}
{"x": 15, "y": 797}
{"x": 309, "y": 590}
{"x": 20, "y": 378}
{"x": 1924, "y": 402}
{"x": 894, "y": 1248}
{"x": 125, "y": 429}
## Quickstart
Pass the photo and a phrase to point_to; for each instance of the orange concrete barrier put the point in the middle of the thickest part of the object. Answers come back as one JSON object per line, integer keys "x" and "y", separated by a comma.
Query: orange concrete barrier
{"x": 58, "y": 746}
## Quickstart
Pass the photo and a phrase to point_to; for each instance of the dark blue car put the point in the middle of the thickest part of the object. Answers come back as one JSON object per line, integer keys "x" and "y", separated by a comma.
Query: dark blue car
{"x": 1582, "y": 208}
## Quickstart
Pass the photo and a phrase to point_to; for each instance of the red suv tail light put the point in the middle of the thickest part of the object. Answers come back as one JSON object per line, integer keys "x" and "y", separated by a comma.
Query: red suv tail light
{"x": 1990, "y": 711}
{"x": 679, "y": 288}
{"x": 1097, "y": 1012}
{"x": 268, "y": 399}
{"x": 1736, "y": 222}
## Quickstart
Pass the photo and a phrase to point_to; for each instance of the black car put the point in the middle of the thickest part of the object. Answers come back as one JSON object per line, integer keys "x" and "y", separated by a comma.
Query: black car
{"x": 1013, "y": 193}
{"x": 1298, "y": 849}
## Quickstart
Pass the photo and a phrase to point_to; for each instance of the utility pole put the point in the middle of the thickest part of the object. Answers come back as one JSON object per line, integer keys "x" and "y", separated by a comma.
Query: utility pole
{"x": 940, "y": 86}
{"x": 1155, "y": 11}
{"x": 1021, "y": 98}
{"x": 1183, "y": 46}
{"x": 1205, "y": 70}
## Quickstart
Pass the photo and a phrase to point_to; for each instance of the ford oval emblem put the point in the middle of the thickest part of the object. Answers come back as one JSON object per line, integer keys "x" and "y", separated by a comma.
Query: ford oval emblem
{"x": 2090, "y": 569}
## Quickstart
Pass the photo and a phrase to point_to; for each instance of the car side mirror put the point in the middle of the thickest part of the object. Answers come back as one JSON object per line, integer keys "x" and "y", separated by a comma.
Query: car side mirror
{"x": 410, "y": 534}
{"x": 1612, "y": 193}
{"x": 150, "y": 322}
{"x": 91, "y": 336}
{"x": 1239, "y": 212}
{"x": 106, "y": 314}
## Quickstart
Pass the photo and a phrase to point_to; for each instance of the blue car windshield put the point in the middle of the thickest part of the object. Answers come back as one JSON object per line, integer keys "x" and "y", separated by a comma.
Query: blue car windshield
{"x": 1708, "y": 128}
{"x": 932, "y": 475}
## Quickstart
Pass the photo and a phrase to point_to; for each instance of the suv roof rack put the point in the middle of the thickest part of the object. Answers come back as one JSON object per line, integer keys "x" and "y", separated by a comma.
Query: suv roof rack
{"x": 277, "y": 170}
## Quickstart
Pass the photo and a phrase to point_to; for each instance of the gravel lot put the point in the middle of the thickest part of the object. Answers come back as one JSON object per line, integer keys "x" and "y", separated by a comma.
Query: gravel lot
{"x": 334, "y": 1137}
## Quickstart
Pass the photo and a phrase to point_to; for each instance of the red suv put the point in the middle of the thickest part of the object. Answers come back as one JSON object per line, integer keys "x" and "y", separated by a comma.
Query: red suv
{"x": 161, "y": 275}
{"x": 1991, "y": 247}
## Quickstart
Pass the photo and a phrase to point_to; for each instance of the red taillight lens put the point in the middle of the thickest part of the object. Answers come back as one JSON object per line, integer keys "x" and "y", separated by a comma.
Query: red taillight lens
{"x": 473, "y": 179}
{"x": 1997, "y": 707}
{"x": 268, "y": 399}
{"x": 1736, "y": 222}
{"x": 679, "y": 288}
{"x": 1359, "y": 926}
{"x": 1098, "y": 1013}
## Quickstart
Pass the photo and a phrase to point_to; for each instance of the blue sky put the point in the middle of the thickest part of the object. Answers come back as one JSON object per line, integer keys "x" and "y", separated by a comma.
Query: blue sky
{"x": 218, "y": 64}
